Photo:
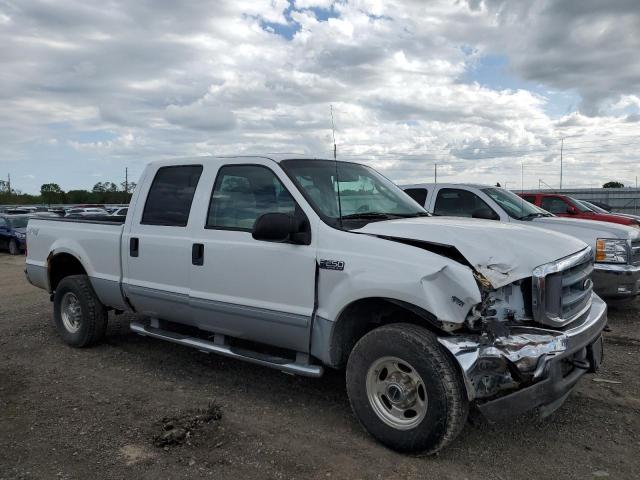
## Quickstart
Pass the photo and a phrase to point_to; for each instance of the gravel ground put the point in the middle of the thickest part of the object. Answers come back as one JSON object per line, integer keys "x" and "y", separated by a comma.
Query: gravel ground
{"x": 139, "y": 408}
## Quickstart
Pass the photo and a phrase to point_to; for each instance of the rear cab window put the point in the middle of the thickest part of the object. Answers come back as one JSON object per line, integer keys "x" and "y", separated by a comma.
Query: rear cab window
{"x": 171, "y": 195}
{"x": 453, "y": 202}
{"x": 554, "y": 205}
{"x": 418, "y": 194}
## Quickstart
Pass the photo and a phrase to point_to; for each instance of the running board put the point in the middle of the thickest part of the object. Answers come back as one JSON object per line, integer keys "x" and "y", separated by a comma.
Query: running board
{"x": 219, "y": 345}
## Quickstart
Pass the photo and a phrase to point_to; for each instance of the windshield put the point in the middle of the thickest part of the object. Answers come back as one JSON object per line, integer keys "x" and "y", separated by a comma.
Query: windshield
{"x": 365, "y": 195}
{"x": 515, "y": 206}
{"x": 592, "y": 207}
{"x": 18, "y": 222}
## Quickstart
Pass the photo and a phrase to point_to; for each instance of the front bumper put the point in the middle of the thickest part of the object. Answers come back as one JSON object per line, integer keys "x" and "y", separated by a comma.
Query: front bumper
{"x": 616, "y": 281}
{"x": 539, "y": 366}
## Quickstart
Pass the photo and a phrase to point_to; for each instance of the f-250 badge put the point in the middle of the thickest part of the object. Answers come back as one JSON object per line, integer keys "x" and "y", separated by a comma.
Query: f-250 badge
{"x": 332, "y": 264}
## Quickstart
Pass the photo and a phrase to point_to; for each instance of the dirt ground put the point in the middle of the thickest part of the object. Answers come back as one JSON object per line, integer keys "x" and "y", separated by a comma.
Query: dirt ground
{"x": 105, "y": 412}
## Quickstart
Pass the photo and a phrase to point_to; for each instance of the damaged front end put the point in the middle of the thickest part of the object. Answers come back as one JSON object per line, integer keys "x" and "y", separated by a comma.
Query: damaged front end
{"x": 511, "y": 359}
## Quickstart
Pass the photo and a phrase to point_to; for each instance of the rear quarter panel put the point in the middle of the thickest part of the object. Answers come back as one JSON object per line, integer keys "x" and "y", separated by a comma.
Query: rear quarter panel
{"x": 95, "y": 245}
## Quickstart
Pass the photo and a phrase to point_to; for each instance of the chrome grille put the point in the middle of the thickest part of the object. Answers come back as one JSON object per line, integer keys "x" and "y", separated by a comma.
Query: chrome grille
{"x": 635, "y": 252}
{"x": 562, "y": 290}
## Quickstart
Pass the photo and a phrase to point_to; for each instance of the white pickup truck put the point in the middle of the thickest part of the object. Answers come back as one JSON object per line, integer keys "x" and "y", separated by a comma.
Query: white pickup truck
{"x": 303, "y": 263}
{"x": 617, "y": 247}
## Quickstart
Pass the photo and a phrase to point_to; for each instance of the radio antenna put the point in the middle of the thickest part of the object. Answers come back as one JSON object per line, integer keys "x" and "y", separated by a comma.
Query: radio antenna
{"x": 335, "y": 160}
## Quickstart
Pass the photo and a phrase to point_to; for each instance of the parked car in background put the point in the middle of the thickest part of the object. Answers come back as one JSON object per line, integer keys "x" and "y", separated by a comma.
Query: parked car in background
{"x": 595, "y": 208}
{"x": 17, "y": 211}
{"x": 86, "y": 212}
{"x": 122, "y": 211}
{"x": 265, "y": 260}
{"x": 13, "y": 233}
{"x": 616, "y": 247}
{"x": 565, "y": 206}
{"x": 604, "y": 206}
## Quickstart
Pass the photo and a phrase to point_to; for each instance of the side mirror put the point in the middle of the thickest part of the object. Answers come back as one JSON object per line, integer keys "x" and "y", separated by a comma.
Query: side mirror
{"x": 280, "y": 227}
{"x": 485, "y": 213}
{"x": 572, "y": 210}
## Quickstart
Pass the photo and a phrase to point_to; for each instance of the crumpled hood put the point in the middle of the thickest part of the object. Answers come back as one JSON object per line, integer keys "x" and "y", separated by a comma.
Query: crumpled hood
{"x": 594, "y": 227}
{"x": 502, "y": 252}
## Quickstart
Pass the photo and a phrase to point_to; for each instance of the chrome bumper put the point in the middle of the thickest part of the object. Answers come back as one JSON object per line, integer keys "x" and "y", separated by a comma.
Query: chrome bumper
{"x": 524, "y": 357}
{"x": 616, "y": 281}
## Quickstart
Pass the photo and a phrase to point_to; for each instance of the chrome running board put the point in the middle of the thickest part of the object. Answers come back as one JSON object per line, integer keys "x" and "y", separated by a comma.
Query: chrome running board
{"x": 300, "y": 366}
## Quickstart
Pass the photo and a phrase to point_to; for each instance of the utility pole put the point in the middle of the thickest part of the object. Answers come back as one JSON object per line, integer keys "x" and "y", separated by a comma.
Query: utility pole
{"x": 522, "y": 178}
{"x": 435, "y": 173}
{"x": 9, "y": 183}
{"x": 126, "y": 180}
{"x": 561, "y": 148}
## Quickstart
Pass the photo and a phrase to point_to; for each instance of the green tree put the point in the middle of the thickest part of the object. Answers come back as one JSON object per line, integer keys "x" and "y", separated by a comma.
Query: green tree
{"x": 79, "y": 196}
{"x": 51, "y": 193}
{"x": 613, "y": 185}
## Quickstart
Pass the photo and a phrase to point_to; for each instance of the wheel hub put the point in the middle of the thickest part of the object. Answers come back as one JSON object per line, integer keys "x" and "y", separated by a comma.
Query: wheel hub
{"x": 71, "y": 312}
{"x": 396, "y": 393}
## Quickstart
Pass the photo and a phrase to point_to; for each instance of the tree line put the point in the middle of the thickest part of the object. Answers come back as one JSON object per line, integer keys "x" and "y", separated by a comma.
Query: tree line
{"x": 51, "y": 193}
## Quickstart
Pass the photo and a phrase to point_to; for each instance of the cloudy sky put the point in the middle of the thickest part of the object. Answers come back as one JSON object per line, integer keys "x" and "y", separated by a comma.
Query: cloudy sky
{"x": 479, "y": 87}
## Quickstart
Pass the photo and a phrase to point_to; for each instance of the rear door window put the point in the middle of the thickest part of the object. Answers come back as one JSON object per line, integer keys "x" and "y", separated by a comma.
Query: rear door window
{"x": 453, "y": 202}
{"x": 418, "y": 194}
{"x": 170, "y": 196}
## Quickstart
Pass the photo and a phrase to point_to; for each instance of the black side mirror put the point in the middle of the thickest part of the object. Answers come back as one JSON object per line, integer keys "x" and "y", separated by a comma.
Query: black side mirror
{"x": 280, "y": 227}
{"x": 486, "y": 214}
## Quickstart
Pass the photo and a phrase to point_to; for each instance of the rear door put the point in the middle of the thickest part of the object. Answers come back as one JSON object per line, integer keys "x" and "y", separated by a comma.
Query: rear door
{"x": 247, "y": 288}
{"x": 157, "y": 247}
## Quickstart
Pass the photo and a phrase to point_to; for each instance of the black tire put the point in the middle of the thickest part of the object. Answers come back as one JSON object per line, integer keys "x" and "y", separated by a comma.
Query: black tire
{"x": 447, "y": 404}
{"x": 13, "y": 247}
{"x": 92, "y": 322}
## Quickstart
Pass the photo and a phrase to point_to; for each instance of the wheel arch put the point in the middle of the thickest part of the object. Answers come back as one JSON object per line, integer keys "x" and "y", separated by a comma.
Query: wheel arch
{"x": 61, "y": 265}
{"x": 332, "y": 342}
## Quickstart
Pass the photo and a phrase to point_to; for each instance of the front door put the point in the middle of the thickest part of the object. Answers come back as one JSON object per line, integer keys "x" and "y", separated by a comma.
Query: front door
{"x": 247, "y": 288}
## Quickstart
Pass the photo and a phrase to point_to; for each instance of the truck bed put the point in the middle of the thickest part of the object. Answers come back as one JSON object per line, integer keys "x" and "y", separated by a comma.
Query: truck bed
{"x": 94, "y": 241}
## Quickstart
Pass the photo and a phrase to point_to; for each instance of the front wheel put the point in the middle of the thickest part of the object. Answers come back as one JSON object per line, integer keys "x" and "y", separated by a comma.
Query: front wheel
{"x": 80, "y": 317}
{"x": 405, "y": 389}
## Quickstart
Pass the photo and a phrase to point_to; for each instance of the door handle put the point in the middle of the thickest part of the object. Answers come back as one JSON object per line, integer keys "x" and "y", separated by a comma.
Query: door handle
{"x": 134, "y": 245}
{"x": 197, "y": 254}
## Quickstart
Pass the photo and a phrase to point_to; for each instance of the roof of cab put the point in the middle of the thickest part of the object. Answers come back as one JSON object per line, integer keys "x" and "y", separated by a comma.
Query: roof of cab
{"x": 444, "y": 184}
{"x": 275, "y": 157}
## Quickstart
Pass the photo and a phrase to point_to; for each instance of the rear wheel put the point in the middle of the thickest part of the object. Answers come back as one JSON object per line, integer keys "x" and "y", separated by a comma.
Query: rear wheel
{"x": 405, "y": 389}
{"x": 80, "y": 318}
{"x": 13, "y": 247}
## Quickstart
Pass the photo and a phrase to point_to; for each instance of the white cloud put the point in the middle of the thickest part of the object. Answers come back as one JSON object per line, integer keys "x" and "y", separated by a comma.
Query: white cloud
{"x": 210, "y": 77}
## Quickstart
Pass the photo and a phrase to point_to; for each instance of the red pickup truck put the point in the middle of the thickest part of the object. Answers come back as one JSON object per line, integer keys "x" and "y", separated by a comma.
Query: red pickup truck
{"x": 565, "y": 206}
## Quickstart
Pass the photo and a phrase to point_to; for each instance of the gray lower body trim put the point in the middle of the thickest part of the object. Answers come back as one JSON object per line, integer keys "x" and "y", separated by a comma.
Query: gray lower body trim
{"x": 280, "y": 329}
{"x": 109, "y": 293}
{"x": 321, "y": 339}
{"x": 271, "y": 327}
{"x": 37, "y": 276}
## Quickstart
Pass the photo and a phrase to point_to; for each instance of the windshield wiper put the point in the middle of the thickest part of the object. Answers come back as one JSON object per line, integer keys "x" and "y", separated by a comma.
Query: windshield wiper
{"x": 532, "y": 215}
{"x": 366, "y": 215}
